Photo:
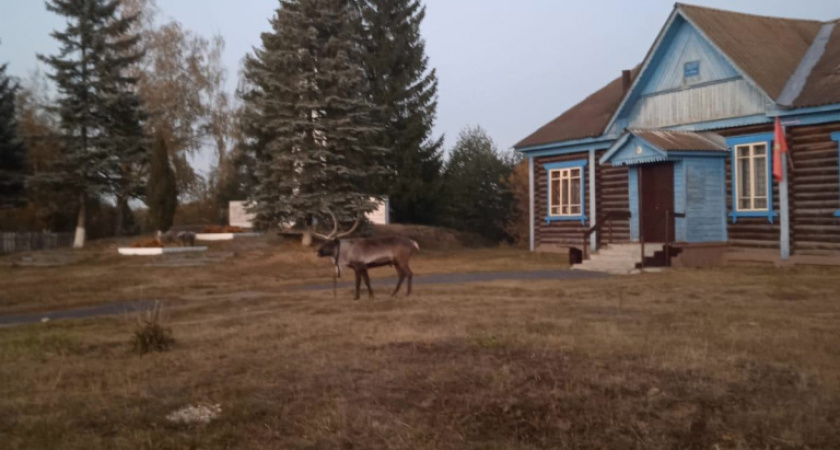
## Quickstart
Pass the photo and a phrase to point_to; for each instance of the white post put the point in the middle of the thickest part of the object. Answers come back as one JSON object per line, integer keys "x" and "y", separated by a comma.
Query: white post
{"x": 593, "y": 204}
{"x": 784, "y": 210}
{"x": 531, "y": 201}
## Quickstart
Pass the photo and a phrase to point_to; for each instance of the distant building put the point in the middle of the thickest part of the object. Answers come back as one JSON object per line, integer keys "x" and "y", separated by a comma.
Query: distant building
{"x": 680, "y": 150}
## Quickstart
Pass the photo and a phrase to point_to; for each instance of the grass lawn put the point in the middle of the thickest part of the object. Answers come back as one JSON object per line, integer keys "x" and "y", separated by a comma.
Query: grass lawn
{"x": 730, "y": 358}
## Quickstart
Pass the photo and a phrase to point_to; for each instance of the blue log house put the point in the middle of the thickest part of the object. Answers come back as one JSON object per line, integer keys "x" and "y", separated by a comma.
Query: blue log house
{"x": 674, "y": 159}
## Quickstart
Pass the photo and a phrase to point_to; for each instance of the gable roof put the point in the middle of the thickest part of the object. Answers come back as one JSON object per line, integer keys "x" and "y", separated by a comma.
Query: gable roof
{"x": 586, "y": 119}
{"x": 767, "y": 49}
{"x": 771, "y": 52}
{"x": 823, "y": 85}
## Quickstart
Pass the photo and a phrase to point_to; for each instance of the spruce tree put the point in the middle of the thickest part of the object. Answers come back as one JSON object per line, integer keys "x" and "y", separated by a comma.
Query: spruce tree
{"x": 405, "y": 90}
{"x": 309, "y": 123}
{"x": 12, "y": 150}
{"x": 477, "y": 195}
{"x": 95, "y": 104}
{"x": 161, "y": 192}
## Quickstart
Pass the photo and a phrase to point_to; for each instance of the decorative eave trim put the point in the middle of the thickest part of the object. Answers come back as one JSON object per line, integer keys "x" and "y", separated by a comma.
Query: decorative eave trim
{"x": 615, "y": 147}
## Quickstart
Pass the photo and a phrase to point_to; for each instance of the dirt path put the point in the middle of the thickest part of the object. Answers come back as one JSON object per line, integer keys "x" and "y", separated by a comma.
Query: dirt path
{"x": 119, "y": 308}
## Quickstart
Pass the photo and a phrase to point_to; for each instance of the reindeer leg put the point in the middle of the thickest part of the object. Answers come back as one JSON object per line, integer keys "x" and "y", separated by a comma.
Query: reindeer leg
{"x": 410, "y": 276}
{"x": 401, "y": 274}
{"x": 358, "y": 281}
{"x": 367, "y": 282}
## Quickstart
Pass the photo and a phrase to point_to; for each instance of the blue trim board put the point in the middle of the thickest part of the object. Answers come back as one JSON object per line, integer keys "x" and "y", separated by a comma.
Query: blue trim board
{"x": 581, "y": 218}
{"x": 699, "y": 154}
{"x": 767, "y": 139}
{"x": 723, "y": 123}
{"x": 577, "y": 163}
{"x": 571, "y": 146}
{"x": 566, "y": 164}
{"x": 835, "y": 136}
{"x": 806, "y": 110}
{"x": 750, "y": 139}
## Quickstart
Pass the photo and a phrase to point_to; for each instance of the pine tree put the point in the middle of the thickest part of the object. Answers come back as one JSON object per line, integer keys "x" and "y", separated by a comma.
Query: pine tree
{"x": 161, "y": 192}
{"x": 98, "y": 110}
{"x": 476, "y": 192}
{"x": 405, "y": 90}
{"x": 12, "y": 150}
{"x": 309, "y": 123}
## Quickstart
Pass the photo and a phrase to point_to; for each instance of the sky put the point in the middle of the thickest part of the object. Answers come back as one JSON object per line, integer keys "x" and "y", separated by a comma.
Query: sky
{"x": 509, "y": 66}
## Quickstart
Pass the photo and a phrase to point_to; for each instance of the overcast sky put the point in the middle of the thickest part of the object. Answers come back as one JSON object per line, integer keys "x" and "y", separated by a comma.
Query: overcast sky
{"x": 507, "y": 65}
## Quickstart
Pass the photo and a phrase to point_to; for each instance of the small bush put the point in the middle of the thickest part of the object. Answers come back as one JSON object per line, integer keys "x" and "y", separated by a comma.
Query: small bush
{"x": 150, "y": 334}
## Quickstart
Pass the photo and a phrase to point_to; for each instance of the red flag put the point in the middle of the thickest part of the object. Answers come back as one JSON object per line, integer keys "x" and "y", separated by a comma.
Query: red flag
{"x": 779, "y": 147}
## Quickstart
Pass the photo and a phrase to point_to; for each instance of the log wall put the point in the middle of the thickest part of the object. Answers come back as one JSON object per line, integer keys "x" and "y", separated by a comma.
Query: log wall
{"x": 814, "y": 190}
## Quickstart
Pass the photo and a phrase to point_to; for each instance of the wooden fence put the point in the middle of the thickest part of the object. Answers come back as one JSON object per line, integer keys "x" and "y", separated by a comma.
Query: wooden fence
{"x": 24, "y": 242}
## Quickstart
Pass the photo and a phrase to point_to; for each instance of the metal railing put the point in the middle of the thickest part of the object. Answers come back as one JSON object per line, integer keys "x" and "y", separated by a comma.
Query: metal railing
{"x": 30, "y": 241}
{"x": 607, "y": 218}
{"x": 669, "y": 242}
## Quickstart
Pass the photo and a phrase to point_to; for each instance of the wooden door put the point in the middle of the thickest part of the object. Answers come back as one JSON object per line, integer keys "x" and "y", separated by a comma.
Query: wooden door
{"x": 657, "y": 197}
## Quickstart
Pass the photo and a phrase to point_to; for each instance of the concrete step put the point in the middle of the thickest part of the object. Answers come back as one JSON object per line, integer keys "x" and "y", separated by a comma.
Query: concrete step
{"x": 617, "y": 258}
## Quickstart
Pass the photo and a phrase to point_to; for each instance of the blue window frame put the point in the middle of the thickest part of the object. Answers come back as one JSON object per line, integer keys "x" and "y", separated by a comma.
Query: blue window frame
{"x": 561, "y": 191}
{"x": 759, "y": 201}
{"x": 836, "y": 138}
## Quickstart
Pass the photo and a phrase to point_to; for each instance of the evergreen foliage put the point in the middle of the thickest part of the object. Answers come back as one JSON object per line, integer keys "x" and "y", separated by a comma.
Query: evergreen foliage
{"x": 161, "y": 192}
{"x": 309, "y": 124}
{"x": 405, "y": 92}
{"x": 12, "y": 150}
{"x": 476, "y": 193}
{"x": 99, "y": 109}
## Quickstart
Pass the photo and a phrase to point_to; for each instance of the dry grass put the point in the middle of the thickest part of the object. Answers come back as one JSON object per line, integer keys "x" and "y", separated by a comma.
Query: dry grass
{"x": 100, "y": 275}
{"x": 701, "y": 359}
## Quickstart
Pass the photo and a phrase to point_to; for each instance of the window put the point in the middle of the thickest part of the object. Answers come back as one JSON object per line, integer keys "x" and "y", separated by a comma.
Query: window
{"x": 691, "y": 69}
{"x": 564, "y": 194}
{"x": 566, "y": 199}
{"x": 751, "y": 177}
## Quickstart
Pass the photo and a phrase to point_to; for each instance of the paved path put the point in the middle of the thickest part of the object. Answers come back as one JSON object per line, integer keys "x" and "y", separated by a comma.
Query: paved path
{"x": 107, "y": 309}
{"x": 472, "y": 277}
{"x": 118, "y": 308}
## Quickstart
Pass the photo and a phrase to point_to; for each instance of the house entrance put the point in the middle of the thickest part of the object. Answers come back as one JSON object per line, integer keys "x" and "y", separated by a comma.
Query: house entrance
{"x": 656, "y": 198}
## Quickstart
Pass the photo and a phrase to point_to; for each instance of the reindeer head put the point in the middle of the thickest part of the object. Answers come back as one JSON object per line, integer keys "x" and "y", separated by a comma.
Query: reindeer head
{"x": 330, "y": 245}
{"x": 328, "y": 249}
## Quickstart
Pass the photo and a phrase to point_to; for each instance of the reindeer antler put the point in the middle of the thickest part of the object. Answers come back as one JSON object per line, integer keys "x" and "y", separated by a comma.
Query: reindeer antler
{"x": 334, "y": 234}
{"x": 352, "y": 229}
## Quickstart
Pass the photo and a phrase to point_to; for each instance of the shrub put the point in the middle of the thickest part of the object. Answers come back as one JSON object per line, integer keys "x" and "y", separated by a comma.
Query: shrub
{"x": 151, "y": 335}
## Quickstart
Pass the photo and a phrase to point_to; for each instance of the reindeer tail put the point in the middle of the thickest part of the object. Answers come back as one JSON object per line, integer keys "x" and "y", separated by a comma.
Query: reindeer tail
{"x": 416, "y": 245}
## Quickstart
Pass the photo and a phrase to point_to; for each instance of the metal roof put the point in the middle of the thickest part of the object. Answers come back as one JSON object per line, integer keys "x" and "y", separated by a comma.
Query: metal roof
{"x": 586, "y": 119}
{"x": 687, "y": 141}
{"x": 768, "y": 50}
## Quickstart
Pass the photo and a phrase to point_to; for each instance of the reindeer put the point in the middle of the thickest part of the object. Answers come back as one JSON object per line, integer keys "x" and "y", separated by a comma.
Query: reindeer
{"x": 362, "y": 254}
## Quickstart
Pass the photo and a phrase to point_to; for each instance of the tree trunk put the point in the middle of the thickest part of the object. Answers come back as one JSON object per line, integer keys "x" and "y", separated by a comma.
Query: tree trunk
{"x": 119, "y": 228}
{"x": 79, "y": 240}
{"x": 306, "y": 238}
